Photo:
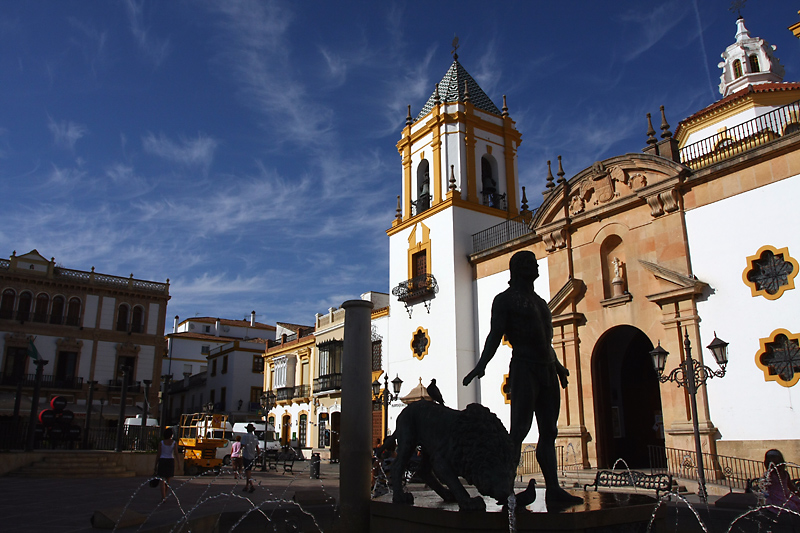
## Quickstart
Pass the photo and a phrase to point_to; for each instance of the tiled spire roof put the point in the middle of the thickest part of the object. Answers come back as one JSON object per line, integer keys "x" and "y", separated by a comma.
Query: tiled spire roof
{"x": 451, "y": 89}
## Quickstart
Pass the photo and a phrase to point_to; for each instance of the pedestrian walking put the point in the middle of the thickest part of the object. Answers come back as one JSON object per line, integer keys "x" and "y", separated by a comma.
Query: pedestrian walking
{"x": 166, "y": 458}
{"x": 236, "y": 457}
{"x": 249, "y": 453}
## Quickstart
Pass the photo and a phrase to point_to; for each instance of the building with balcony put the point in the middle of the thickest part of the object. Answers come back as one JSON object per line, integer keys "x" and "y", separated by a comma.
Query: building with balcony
{"x": 691, "y": 235}
{"x": 191, "y": 343}
{"x": 89, "y": 327}
{"x": 288, "y": 363}
{"x": 303, "y": 372}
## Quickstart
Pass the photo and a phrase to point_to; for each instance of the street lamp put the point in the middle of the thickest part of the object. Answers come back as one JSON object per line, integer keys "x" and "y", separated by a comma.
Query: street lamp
{"x": 268, "y": 400}
{"x": 385, "y": 396}
{"x": 691, "y": 374}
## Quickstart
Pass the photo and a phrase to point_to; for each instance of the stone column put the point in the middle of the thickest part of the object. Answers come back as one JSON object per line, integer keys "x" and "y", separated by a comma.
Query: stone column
{"x": 356, "y": 424}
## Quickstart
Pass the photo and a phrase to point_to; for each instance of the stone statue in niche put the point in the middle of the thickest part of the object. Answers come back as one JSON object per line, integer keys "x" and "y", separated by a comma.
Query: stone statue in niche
{"x": 534, "y": 375}
{"x": 618, "y": 283}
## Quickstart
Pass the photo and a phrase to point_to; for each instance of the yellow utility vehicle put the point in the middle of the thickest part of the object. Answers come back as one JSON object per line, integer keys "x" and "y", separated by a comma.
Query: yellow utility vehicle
{"x": 200, "y": 437}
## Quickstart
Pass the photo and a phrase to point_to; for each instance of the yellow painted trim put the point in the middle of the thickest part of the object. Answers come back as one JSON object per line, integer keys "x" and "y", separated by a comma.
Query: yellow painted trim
{"x": 763, "y": 350}
{"x": 452, "y": 200}
{"x": 506, "y": 397}
{"x": 427, "y": 346}
{"x": 416, "y": 247}
{"x": 754, "y": 291}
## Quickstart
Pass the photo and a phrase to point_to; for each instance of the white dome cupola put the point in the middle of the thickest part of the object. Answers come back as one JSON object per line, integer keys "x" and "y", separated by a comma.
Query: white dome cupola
{"x": 748, "y": 61}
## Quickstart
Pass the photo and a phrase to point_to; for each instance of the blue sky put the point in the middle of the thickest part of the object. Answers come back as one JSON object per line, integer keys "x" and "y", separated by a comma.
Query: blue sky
{"x": 246, "y": 149}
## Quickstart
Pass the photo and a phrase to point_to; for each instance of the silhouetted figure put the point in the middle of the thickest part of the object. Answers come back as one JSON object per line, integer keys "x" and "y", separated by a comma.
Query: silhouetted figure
{"x": 434, "y": 392}
{"x": 522, "y": 316}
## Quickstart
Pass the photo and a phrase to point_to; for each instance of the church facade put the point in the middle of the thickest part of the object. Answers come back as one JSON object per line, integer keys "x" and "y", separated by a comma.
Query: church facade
{"x": 689, "y": 240}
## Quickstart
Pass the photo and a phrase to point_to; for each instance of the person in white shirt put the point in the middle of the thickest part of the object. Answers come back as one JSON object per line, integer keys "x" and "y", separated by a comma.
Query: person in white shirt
{"x": 249, "y": 453}
{"x": 166, "y": 458}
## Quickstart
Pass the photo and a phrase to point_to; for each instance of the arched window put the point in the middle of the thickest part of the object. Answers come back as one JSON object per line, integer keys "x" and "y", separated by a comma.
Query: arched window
{"x": 40, "y": 311}
{"x": 754, "y": 63}
{"x": 423, "y": 187}
{"x": 737, "y": 69}
{"x": 137, "y": 320}
{"x": 57, "y": 312}
{"x": 24, "y": 308}
{"x": 488, "y": 182}
{"x": 7, "y": 303}
{"x": 74, "y": 312}
{"x": 122, "y": 318}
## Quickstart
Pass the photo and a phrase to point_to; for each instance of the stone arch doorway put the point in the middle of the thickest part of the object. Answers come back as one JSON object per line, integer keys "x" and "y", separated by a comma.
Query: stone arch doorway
{"x": 627, "y": 399}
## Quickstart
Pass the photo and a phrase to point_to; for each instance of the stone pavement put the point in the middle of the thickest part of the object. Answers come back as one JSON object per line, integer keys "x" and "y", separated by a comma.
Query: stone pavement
{"x": 59, "y": 505}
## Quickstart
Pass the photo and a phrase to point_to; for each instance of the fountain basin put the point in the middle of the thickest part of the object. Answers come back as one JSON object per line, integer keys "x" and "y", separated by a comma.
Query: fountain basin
{"x": 600, "y": 511}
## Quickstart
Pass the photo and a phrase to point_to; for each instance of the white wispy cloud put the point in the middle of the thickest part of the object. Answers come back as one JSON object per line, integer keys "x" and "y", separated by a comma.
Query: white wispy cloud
{"x": 91, "y": 41}
{"x": 66, "y": 133}
{"x": 154, "y": 48}
{"x": 198, "y": 152}
{"x": 255, "y": 49}
{"x": 651, "y": 23}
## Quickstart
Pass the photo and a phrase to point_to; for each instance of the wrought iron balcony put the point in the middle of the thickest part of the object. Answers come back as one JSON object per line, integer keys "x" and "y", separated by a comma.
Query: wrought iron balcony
{"x": 502, "y": 233}
{"x": 116, "y": 384}
{"x": 302, "y": 391}
{"x": 285, "y": 393}
{"x": 328, "y": 382}
{"x": 48, "y": 381}
{"x": 416, "y": 288}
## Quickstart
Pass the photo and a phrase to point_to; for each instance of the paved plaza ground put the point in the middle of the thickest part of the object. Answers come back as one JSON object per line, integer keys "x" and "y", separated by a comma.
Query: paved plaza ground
{"x": 63, "y": 505}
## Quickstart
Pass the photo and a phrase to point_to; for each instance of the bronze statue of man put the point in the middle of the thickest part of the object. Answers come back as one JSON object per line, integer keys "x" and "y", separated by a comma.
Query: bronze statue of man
{"x": 522, "y": 316}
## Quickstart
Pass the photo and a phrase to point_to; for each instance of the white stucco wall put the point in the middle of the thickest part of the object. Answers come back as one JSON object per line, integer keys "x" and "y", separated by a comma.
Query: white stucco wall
{"x": 721, "y": 237}
{"x": 107, "y": 313}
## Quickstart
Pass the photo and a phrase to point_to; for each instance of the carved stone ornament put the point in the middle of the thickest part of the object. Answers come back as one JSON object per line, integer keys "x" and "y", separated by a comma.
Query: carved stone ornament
{"x": 69, "y": 344}
{"x": 128, "y": 348}
{"x": 17, "y": 340}
{"x": 663, "y": 202}
{"x": 554, "y": 239}
{"x": 601, "y": 186}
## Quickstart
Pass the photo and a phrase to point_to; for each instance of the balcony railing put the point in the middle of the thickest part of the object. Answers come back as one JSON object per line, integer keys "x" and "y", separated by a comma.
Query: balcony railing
{"x": 742, "y": 137}
{"x": 502, "y": 233}
{"x": 494, "y": 199}
{"x": 285, "y": 393}
{"x": 302, "y": 391}
{"x": 328, "y": 382}
{"x": 423, "y": 203}
{"x": 44, "y": 318}
{"x": 416, "y": 288}
{"x": 116, "y": 385}
{"x": 48, "y": 381}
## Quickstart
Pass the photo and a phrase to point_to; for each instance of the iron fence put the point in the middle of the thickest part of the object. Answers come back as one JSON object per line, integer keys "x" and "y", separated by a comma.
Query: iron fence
{"x": 14, "y": 435}
{"x": 502, "y": 233}
{"x": 732, "y": 472}
{"x": 742, "y": 137}
{"x": 529, "y": 465}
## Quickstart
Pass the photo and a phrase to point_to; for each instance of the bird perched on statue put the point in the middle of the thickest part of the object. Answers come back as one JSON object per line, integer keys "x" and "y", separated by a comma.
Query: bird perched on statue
{"x": 434, "y": 392}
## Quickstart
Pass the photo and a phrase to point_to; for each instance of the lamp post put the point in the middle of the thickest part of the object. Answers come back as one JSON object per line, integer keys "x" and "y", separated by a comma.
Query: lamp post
{"x": 692, "y": 374}
{"x": 268, "y": 401}
{"x": 385, "y": 396}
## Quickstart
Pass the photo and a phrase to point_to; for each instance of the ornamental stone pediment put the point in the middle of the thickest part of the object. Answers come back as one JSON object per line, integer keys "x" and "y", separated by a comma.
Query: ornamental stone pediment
{"x": 606, "y": 188}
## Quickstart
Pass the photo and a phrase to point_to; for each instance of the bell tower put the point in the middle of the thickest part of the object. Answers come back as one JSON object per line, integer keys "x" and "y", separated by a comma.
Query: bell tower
{"x": 748, "y": 61}
{"x": 459, "y": 176}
